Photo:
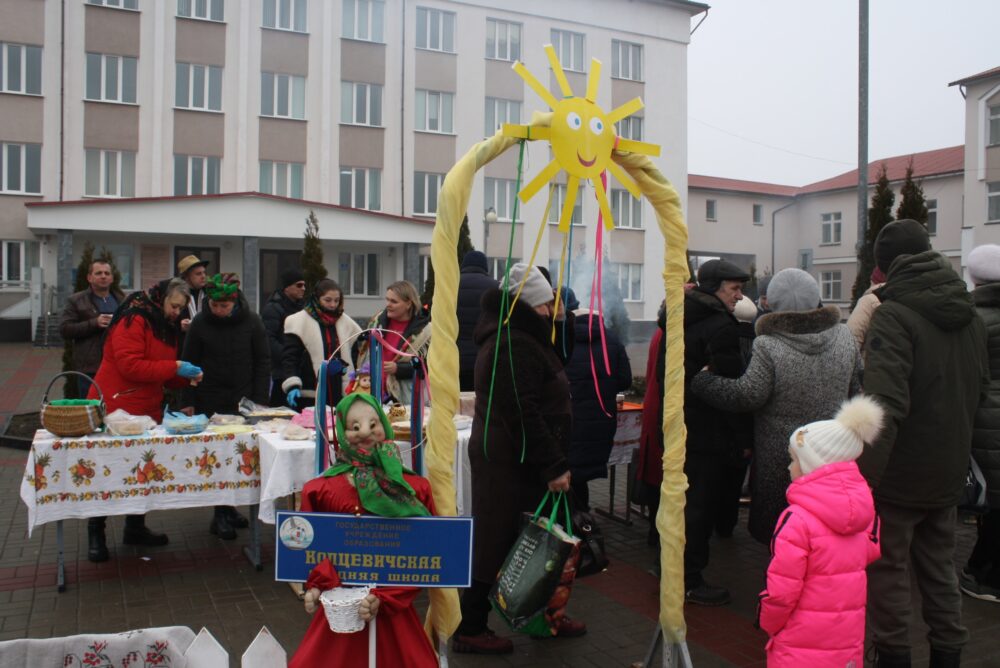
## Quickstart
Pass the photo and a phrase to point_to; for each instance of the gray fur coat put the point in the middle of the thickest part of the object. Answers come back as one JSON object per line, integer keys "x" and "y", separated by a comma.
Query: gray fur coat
{"x": 804, "y": 365}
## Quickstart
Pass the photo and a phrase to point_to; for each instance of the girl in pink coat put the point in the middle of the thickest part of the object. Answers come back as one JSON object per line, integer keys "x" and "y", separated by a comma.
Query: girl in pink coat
{"x": 814, "y": 604}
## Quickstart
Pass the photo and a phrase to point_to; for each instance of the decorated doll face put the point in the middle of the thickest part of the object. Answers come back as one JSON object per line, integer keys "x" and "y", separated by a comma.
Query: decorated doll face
{"x": 364, "y": 383}
{"x": 362, "y": 425}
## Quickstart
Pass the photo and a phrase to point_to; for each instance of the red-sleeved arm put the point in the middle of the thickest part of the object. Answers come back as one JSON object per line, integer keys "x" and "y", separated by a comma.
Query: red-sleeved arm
{"x": 786, "y": 574}
{"x": 394, "y": 599}
{"x": 130, "y": 354}
{"x": 323, "y": 577}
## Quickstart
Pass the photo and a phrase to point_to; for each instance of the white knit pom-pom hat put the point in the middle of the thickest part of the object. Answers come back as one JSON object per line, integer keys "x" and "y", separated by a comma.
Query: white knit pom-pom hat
{"x": 841, "y": 439}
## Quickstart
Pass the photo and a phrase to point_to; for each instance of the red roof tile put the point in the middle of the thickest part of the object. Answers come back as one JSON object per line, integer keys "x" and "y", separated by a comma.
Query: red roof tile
{"x": 928, "y": 163}
{"x": 988, "y": 74}
{"x": 736, "y": 185}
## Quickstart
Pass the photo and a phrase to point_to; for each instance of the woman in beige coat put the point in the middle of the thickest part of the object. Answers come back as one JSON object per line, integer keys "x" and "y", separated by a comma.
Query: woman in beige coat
{"x": 861, "y": 316}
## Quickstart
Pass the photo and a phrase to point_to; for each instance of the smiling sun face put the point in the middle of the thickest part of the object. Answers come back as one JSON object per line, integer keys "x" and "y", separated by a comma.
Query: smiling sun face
{"x": 582, "y": 138}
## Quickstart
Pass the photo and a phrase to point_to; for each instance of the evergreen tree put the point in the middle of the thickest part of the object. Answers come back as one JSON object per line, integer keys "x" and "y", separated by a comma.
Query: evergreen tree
{"x": 464, "y": 246}
{"x": 70, "y": 387}
{"x": 912, "y": 204}
{"x": 879, "y": 215}
{"x": 313, "y": 269}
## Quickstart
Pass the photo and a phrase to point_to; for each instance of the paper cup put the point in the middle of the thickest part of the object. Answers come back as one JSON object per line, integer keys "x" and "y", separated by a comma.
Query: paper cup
{"x": 341, "y": 608}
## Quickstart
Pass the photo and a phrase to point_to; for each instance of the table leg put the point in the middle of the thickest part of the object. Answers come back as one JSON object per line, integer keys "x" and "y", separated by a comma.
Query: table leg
{"x": 610, "y": 512}
{"x": 60, "y": 558}
{"x": 252, "y": 551}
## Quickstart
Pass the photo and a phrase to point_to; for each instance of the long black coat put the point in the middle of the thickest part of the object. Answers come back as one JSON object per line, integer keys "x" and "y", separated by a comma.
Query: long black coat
{"x": 234, "y": 356}
{"x": 277, "y": 308}
{"x": 593, "y": 431}
{"x": 528, "y": 438}
{"x": 986, "y": 431}
{"x": 472, "y": 283}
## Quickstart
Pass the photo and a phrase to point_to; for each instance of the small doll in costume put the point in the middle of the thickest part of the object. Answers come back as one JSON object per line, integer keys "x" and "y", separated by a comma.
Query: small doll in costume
{"x": 361, "y": 380}
{"x": 367, "y": 477}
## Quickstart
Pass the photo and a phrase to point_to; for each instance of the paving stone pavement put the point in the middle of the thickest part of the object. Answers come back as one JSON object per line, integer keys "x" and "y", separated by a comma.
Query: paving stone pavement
{"x": 198, "y": 580}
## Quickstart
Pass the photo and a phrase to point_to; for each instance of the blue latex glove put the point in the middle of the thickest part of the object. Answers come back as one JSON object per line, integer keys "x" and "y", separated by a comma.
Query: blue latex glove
{"x": 292, "y": 398}
{"x": 188, "y": 370}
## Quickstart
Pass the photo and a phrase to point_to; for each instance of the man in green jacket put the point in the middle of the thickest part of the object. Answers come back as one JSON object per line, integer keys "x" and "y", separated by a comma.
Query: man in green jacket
{"x": 926, "y": 363}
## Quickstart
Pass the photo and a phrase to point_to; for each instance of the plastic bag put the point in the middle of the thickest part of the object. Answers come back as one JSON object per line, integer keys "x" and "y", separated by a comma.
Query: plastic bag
{"x": 220, "y": 418}
{"x": 251, "y": 409}
{"x": 178, "y": 423}
{"x": 123, "y": 423}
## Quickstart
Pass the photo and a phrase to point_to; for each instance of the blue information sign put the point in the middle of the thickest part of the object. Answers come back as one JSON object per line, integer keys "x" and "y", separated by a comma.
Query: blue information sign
{"x": 367, "y": 549}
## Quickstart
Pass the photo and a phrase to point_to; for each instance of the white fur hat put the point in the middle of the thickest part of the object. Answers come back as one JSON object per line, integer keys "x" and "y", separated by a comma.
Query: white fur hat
{"x": 841, "y": 439}
{"x": 537, "y": 290}
{"x": 745, "y": 310}
{"x": 984, "y": 264}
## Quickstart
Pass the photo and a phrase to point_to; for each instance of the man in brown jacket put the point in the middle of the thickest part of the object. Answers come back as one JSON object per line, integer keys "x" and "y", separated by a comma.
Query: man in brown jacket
{"x": 86, "y": 315}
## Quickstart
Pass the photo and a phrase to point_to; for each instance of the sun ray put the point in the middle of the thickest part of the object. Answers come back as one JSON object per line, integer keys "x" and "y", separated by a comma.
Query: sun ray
{"x": 528, "y": 191}
{"x": 632, "y": 146}
{"x": 602, "y": 203}
{"x": 593, "y": 80}
{"x": 526, "y": 131}
{"x": 627, "y": 109}
{"x": 566, "y": 217}
{"x": 536, "y": 85}
{"x": 623, "y": 178}
{"x": 557, "y": 69}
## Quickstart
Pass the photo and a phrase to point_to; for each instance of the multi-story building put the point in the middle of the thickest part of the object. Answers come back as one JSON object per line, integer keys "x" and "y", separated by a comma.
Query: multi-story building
{"x": 158, "y": 128}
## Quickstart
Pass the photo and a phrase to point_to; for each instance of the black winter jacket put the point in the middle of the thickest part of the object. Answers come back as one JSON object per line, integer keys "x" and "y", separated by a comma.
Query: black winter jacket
{"x": 472, "y": 283}
{"x": 277, "y": 308}
{"x": 986, "y": 433}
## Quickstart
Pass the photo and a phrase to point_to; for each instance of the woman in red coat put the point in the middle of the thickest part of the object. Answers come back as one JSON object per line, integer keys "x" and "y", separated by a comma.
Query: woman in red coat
{"x": 140, "y": 358}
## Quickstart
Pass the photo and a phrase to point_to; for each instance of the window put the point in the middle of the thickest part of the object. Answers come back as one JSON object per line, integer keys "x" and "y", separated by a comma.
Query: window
{"x": 805, "y": 259}
{"x": 500, "y": 111}
{"x": 425, "y": 193}
{"x": 993, "y": 202}
{"x": 120, "y": 4}
{"x": 199, "y": 87}
{"x": 285, "y": 15}
{"x": 758, "y": 214}
{"x": 629, "y": 281}
{"x": 830, "y": 285}
{"x": 503, "y": 40}
{"x": 195, "y": 175}
{"x": 282, "y": 95}
{"x": 209, "y": 254}
{"x": 994, "y": 138}
{"x": 283, "y": 179}
{"x": 110, "y": 78}
{"x": 931, "y": 217}
{"x": 360, "y": 103}
{"x": 209, "y": 10}
{"x": 434, "y": 111}
{"x": 710, "y": 209}
{"x": 364, "y": 19}
{"x": 626, "y": 210}
{"x": 109, "y": 173}
{"x": 21, "y": 169}
{"x": 357, "y": 274}
{"x": 630, "y": 128}
{"x": 831, "y": 228}
{"x": 626, "y": 60}
{"x": 361, "y": 188}
{"x": 499, "y": 194}
{"x": 123, "y": 257}
{"x": 20, "y": 69}
{"x": 558, "y": 197}
{"x": 498, "y": 266}
{"x": 435, "y": 30}
{"x": 569, "y": 48}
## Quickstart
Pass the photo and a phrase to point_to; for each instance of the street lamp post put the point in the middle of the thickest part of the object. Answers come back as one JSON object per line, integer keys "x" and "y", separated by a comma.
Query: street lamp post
{"x": 489, "y": 217}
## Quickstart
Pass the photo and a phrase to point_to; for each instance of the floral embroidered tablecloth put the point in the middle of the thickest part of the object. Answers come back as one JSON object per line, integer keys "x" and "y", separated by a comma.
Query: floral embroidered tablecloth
{"x": 116, "y": 475}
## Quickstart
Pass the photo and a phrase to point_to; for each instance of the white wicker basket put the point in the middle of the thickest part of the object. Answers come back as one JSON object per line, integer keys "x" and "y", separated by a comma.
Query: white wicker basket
{"x": 341, "y": 608}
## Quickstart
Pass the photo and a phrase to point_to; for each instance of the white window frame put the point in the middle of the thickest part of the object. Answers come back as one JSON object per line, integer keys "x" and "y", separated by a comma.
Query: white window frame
{"x": 121, "y": 68}
{"x": 427, "y": 205}
{"x": 125, "y": 268}
{"x": 22, "y": 168}
{"x": 499, "y": 111}
{"x": 283, "y": 179}
{"x": 5, "y": 276}
{"x": 571, "y": 47}
{"x": 130, "y": 5}
{"x": 630, "y": 128}
{"x": 628, "y": 275}
{"x": 347, "y": 278}
{"x": 24, "y": 51}
{"x": 287, "y": 15}
{"x": 436, "y": 30}
{"x": 831, "y": 285}
{"x": 500, "y": 36}
{"x": 211, "y": 78}
{"x": 351, "y": 94}
{"x": 993, "y": 202}
{"x": 443, "y": 106}
{"x": 370, "y": 181}
{"x": 295, "y": 95}
{"x": 115, "y": 176}
{"x": 711, "y": 210}
{"x": 626, "y": 60}
{"x": 626, "y": 210}
{"x": 202, "y": 10}
{"x": 363, "y": 20}
{"x": 500, "y": 194}
{"x": 757, "y": 214}
{"x": 206, "y": 165}
{"x": 497, "y": 265}
{"x": 932, "y": 212}
{"x": 993, "y": 126}
{"x": 558, "y": 197}
{"x": 831, "y": 228}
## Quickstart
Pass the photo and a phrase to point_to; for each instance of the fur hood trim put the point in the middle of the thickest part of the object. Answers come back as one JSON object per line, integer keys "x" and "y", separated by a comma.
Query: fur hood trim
{"x": 799, "y": 322}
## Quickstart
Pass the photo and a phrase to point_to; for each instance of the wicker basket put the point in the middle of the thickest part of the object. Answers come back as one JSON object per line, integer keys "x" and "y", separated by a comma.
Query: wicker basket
{"x": 77, "y": 420}
{"x": 341, "y": 608}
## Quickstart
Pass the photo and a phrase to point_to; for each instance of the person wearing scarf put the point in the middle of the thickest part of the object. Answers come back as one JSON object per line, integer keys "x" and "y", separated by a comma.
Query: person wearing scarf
{"x": 367, "y": 478}
{"x": 313, "y": 335}
{"x": 228, "y": 341}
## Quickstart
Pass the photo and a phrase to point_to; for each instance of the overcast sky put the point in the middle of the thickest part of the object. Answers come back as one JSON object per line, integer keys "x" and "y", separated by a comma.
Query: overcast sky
{"x": 773, "y": 83}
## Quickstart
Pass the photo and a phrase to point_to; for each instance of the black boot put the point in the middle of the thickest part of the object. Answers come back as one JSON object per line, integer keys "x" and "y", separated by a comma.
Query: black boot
{"x": 137, "y": 533}
{"x": 945, "y": 658}
{"x": 97, "y": 546}
{"x": 236, "y": 520}
{"x": 220, "y": 525}
{"x": 885, "y": 659}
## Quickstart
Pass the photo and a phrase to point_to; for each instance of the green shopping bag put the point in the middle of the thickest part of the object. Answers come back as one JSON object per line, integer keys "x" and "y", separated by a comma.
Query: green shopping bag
{"x": 535, "y": 581}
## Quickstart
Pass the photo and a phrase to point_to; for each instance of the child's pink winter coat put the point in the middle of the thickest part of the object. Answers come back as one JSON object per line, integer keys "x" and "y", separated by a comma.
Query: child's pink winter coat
{"x": 814, "y": 604}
